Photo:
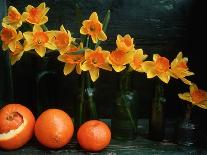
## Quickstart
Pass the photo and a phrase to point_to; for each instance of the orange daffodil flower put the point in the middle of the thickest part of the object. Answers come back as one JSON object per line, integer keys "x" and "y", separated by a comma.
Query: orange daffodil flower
{"x": 72, "y": 61}
{"x": 179, "y": 68}
{"x": 36, "y": 16}
{"x": 119, "y": 59}
{"x": 125, "y": 43}
{"x": 17, "y": 54}
{"x": 10, "y": 37}
{"x": 158, "y": 67}
{"x": 122, "y": 56}
{"x": 62, "y": 39}
{"x": 94, "y": 60}
{"x": 38, "y": 40}
{"x": 137, "y": 60}
{"x": 196, "y": 96}
{"x": 14, "y": 18}
{"x": 93, "y": 28}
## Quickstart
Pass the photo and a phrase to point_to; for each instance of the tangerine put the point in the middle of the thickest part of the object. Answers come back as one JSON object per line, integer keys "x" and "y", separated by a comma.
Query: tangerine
{"x": 16, "y": 126}
{"x": 54, "y": 128}
{"x": 94, "y": 135}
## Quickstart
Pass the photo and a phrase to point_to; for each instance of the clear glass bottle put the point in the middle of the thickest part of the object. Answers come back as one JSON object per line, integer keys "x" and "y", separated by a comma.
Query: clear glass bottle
{"x": 157, "y": 121}
{"x": 124, "y": 117}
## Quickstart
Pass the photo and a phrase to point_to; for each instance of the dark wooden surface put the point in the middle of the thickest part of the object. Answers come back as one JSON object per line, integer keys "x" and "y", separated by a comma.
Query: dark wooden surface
{"x": 142, "y": 145}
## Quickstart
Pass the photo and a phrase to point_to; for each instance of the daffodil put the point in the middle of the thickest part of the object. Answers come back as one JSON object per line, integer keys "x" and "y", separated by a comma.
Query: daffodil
{"x": 14, "y": 18}
{"x": 36, "y": 15}
{"x": 72, "y": 61}
{"x": 196, "y": 96}
{"x": 9, "y": 37}
{"x": 158, "y": 67}
{"x": 125, "y": 43}
{"x": 38, "y": 40}
{"x": 93, "y": 28}
{"x": 94, "y": 60}
{"x": 179, "y": 68}
{"x": 17, "y": 54}
{"x": 62, "y": 39}
{"x": 137, "y": 60}
{"x": 119, "y": 59}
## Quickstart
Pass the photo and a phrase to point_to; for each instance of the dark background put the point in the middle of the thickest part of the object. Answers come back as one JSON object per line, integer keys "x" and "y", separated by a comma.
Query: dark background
{"x": 158, "y": 26}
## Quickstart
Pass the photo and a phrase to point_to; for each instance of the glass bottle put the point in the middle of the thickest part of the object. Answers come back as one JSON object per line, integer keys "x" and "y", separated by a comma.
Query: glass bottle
{"x": 156, "y": 121}
{"x": 124, "y": 117}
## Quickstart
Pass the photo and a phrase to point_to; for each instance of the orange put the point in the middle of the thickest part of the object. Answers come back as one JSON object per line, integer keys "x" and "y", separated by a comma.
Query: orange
{"x": 94, "y": 135}
{"x": 16, "y": 126}
{"x": 54, "y": 128}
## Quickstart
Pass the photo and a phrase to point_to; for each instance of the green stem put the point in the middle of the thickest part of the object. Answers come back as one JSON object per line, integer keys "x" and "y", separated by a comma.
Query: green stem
{"x": 105, "y": 25}
{"x": 90, "y": 93}
{"x": 131, "y": 118}
{"x": 188, "y": 112}
{"x": 124, "y": 86}
{"x": 44, "y": 27}
{"x": 11, "y": 87}
{"x": 125, "y": 80}
{"x": 82, "y": 93}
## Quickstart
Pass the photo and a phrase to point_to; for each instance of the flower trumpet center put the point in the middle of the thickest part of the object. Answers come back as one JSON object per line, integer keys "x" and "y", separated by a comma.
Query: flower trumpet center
{"x": 162, "y": 65}
{"x": 35, "y": 15}
{"x": 40, "y": 38}
{"x": 93, "y": 27}
{"x": 182, "y": 64}
{"x": 137, "y": 62}
{"x": 14, "y": 16}
{"x": 198, "y": 96}
{"x": 8, "y": 35}
{"x": 61, "y": 40}
{"x": 117, "y": 58}
{"x": 96, "y": 59}
{"x": 127, "y": 42}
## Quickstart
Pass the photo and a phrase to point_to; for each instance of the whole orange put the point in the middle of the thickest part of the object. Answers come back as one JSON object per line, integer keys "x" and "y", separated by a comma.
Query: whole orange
{"x": 94, "y": 135}
{"x": 54, "y": 128}
{"x": 16, "y": 126}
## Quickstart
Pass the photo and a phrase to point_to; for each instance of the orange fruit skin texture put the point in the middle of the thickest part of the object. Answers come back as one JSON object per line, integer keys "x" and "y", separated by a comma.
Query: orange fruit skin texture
{"x": 21, "y": 112}
{"x": 94, "y": 135}
{"x": 54, "y": 128}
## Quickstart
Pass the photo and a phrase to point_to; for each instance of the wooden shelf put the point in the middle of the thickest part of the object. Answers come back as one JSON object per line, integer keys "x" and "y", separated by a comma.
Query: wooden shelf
{"x": 141, "y": 146}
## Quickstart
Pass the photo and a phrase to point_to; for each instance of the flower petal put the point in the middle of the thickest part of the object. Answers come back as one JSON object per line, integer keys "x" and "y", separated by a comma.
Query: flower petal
{"x": 94, "y": 73}
{"x": 85, "y": 66}
{"x": 37, "y": 28}
{"x": 202, "y": 104}
{"x": 68, "y": 68}
{"x": 165, "y": 77}
{"x": 28, "y": 36}
{"x": 118, "y": 68}
{"x": 185, "y": 96}
{"x": 106, "y": 67}
{"x": 94, "y": 39}
{"x": 193, "y": 88}
{"x": 41, "y": 50}
{"x": 102, "y": 36}
{"x": 78, "y": 68}
{"x": 12, "y": 46}
{"x": 28, "y": 46}
{"x": 93, "y": 16}
{"x": 50, "y": 45}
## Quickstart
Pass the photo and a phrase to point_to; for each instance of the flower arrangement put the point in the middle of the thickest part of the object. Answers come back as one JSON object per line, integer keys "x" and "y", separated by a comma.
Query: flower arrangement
{"x": 87, "y": 55}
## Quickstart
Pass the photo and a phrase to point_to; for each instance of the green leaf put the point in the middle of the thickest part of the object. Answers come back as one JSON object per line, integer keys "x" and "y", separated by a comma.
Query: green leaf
{"x": 105, "y": 25}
